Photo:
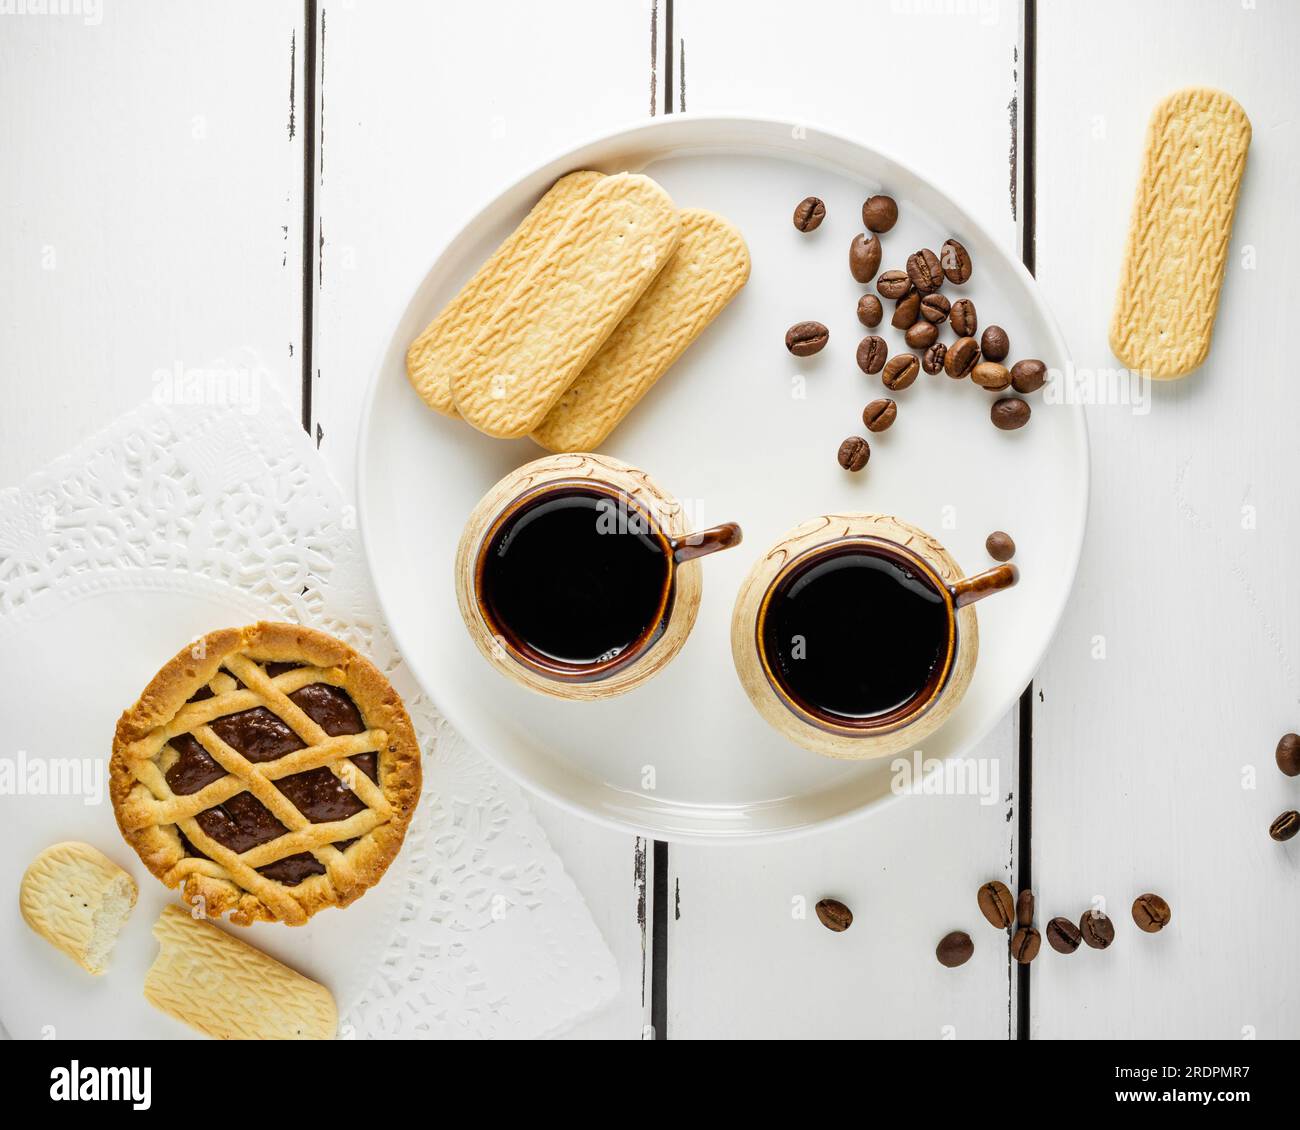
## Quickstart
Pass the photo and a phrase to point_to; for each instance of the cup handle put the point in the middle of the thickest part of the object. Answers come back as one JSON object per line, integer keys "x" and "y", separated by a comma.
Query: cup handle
{"x": 970, "y": 589}
{"x": 690, "y": 546}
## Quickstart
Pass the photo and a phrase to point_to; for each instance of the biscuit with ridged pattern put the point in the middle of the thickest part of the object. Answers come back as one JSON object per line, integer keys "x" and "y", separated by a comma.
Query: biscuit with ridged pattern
{"x": 1179, "y": 235}
{"x": 229, "y": 990}
{"x": 706, "y": 272}
{"x": 77, "y": 899}
{"x": 435, "y": 354}
{"x": 541, "y": 337}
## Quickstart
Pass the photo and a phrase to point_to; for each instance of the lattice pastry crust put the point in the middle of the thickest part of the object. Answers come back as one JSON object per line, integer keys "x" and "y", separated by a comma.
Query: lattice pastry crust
{"x": 181, "y": 833}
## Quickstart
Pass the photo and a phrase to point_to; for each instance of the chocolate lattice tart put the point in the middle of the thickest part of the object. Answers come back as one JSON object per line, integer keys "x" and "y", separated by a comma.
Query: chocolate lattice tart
{"x": 268, "y": 772}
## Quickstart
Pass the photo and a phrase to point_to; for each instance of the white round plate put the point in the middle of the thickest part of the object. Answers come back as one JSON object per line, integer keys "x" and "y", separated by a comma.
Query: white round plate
{"x": 738, "y": 430}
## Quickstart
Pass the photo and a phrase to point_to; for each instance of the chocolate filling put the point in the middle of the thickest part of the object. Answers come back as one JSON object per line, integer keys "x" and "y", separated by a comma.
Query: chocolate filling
{"x": 243, "y": 822}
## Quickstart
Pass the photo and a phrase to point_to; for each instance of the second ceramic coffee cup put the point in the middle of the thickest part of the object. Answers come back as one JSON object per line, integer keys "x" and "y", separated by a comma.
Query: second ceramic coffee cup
{"x": 854, "y": 635}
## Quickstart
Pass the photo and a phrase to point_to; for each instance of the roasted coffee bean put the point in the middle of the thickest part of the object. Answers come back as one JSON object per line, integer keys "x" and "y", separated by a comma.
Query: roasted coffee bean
{"x": 1063, "y": 935}
{"x": 879, "y": 213}
{"x": 900, "y": 371}
{"x": 921, "y": 335}
{"x": 834, "y": 915}
{"x": 1096, "y": 929}
{"x": 854, "y": 453}
{"x": 1025, "y": 909}
{"x": 934, "y": 308}
{"x": 924, "y": 270}
{"x": 962, "y": 356}
{"x": 879, "y": 415}
{"x": 996, "y": 905}
{"x": 1288, "y": 754}
{"x": 803, "y": 339}
{"x": 1028, "y": 376}
{"x": 994, "y": 344}
{"x": 1285, "y": 826}
{"x": 809, "y": 214}
{"x": 864, "y": 257}
{"x": 872, "y": 354}
{"x": 963, "y": 319}
{"x": 932, "y": 360}
{"x": 1151, "y": 913}
{"x": 1024, "y": 945}
{"x": 1008, "y": 414}
{"x": 893, "y": 284}
{"x": 991, "y": 375}
{"x": 954, "y": 949}
{"x": 1000, "y": 547}
{"x": 906, "y": 311}
{"x": 869, "y": 310}
{"x": 956, "y": 262}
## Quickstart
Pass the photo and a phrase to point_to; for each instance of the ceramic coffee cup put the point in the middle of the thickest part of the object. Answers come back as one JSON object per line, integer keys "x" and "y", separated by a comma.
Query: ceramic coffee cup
{"x": 854, "y": 636}
{"x": 577, "y": 577}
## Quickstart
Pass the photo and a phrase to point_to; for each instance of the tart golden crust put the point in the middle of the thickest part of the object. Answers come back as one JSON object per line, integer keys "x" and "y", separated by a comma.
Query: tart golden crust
{"x": 152, "y": 817}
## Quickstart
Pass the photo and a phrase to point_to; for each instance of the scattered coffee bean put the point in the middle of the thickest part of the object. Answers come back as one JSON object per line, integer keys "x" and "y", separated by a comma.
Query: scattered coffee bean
{"x": 879, "y": 213}
{"x": 996, "y": 905}
{"x": 962, "y": 356}
{"x": 893, "y": 284}
{"x": 879, "y": 414}
{"x": 1025, "y": 943}
{"x": 991, "y": 375}
{"x": 803, "y": 339}
{"x": 1000, "y": 546}
{"x": 1285, "y": 826}
{"x": 956, "y": 262}
{"x": 834, "y": 915}
{"x": 1028, "y": 376}
{"x": 872, "y": 354}
{"x": 1009, "y": 413}
{"x": 1063, "y": 935}
{"x": 809, "y": 214}
{"x": 854, "y": 453}
{"x": 864, "y": 257}
{"x": 963, "y": 319}
{"x": 1288, "y": 754}
{"x": 900, "y": 371}
{"x": 994, "y": 344}
{"x": 932, "y": 361}
{"x": 1096, "y": 929}
{"x": 954, "y": 949}
{"x": 934, "y": 308}
{"x": 921, "y": 335}
{"x": 924, "y": 270}
{"x": 906, "y": 311}
{"x": 1151, "y": 913}
{"x": 869, "y": 310}
{"x": 1025, "y": 909}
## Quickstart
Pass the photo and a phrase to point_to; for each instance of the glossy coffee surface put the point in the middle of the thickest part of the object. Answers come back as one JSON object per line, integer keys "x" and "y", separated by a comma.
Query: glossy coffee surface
{"x": 855, "y": 636}
{"x": 575, "y": 579}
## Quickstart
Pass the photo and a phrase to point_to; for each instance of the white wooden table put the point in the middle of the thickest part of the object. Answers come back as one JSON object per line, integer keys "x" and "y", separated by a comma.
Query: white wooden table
{"x": 180, "y": 178}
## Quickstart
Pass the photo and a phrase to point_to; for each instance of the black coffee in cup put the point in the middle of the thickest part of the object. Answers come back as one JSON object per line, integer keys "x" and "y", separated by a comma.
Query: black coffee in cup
{"x": 576, "y": 579}
{"x": 856, "y": 635}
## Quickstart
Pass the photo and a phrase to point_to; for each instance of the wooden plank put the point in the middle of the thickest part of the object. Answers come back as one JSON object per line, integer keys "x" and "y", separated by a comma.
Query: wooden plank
{"x": 1177, "y": 666}
{"x": 153, "y": 208}
{"x": 427, "y": 112}
{"x": 153, "y": 199}
{"x": 740, "y": 963}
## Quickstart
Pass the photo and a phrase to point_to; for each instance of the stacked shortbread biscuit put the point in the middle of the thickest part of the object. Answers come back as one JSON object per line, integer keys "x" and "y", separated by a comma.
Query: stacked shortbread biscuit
{"x": 579, "y": 312}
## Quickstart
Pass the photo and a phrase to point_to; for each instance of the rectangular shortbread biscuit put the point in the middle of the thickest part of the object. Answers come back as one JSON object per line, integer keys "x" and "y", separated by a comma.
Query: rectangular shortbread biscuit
{"x": 707, "y": 270}
{"x": 538, "y": 340}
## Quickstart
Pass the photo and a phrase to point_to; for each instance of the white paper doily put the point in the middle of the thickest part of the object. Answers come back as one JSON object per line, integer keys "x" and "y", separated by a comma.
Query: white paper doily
{"x": 483, "y": 932}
